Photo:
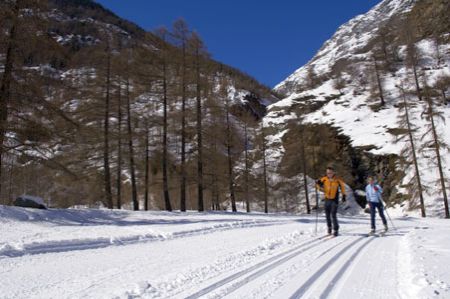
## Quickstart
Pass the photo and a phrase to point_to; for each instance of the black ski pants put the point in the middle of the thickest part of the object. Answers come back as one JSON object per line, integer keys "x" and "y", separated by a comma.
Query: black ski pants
{"x": 331, "y": 207}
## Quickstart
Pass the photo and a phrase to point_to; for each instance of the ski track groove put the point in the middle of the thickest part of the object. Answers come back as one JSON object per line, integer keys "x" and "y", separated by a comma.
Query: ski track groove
{"x": 342, "y": 270}
{"x": 273, "y": 266}
{"x": 313, "y": 278}
{"x": 76, "y": 245}
{"x": 241, "y": 273}
{"x": 261, "y": 267}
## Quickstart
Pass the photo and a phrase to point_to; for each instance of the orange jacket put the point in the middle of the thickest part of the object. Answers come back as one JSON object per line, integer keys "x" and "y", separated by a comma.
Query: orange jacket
{"x": 331, "y": 186}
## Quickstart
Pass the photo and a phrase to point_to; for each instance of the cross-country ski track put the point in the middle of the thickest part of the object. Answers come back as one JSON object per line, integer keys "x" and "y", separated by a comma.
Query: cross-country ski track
{"x": 218, "y": 255}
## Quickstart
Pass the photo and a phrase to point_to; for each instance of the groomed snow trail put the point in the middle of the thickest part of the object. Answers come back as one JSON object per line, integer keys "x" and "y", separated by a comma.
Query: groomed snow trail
{"x": 216, "y": 255}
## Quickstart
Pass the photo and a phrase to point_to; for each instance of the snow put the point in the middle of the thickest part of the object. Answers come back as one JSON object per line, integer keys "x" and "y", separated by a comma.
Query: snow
{"x": 216, "y": 255}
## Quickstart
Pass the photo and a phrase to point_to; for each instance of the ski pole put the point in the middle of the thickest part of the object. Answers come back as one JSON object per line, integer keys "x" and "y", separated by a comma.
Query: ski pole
{"x": 392, "y": 223}
{"x": 384, "y": 204}
{"x": 317, "y": 209}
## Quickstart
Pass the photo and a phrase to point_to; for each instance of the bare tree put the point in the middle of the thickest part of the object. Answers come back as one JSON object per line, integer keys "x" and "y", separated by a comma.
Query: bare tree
{"x": 164, "y": 64}
{"x": 106, "y": 151}
{"x": 132, "y": 164}
{"x": 305, "y": 181}
{"x": 21, "y": 88}
{"x": 246, "y": 123}
{"x": 229, "y": 143}
{"x": 436, "y": 143}
{"x": 198, "y": 53}
{"x": 264, "y": 159}
{"x": 412, "y": 55}
{"x": 412, "y": 147}
{"x": 311, "y": 77}
{"x": 147, "y": 166}
{"x": 339, "y": 82}
{"x": 378, "y": 80}
{"x": 182, "y": 35}
{"x": 119, "y": 145}
{"x": 5, "y": 87}
{"x": 441, "y": 85}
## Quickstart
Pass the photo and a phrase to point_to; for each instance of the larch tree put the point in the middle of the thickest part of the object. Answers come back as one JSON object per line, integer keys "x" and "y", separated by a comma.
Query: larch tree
{"x": 23, "y": 35}
{"x": 199, "y": 54}
{"x": 147, "y": 166}
{"x": 411, "y": 150}
{"x": 164, "y": 55}
{"x": 441, "y": 85}
{"x": 106, "y": 129}
{"x": 304, "y": 169}
{"x": 436, "y": 143}
{"x": 248, "y": 124}
{"x": 119, "y": 145}
{"x": 182, "y": 35}
{"x": 379, "y": 83}
{"x": 412, "y": 54}
{"x": 229, "y": 146}
{"x": 264, "y": 166}
{"x": 131, "y": 151}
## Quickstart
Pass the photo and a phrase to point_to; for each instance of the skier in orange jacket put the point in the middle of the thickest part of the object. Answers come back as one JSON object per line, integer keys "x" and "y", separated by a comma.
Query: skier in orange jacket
{"x": 331, "y": 185}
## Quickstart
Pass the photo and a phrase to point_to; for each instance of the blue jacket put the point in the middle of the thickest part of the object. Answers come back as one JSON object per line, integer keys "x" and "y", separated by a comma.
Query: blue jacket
{"x": 372, "y": 195}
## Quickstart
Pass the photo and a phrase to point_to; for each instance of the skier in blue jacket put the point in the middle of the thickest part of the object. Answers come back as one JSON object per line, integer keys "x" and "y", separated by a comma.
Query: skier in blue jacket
{"x": 373, "y": 195}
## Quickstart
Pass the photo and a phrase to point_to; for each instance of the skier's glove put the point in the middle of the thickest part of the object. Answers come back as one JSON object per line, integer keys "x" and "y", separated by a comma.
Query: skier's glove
{"x": 319, "y": 183}
{"x": 344, "y": 198}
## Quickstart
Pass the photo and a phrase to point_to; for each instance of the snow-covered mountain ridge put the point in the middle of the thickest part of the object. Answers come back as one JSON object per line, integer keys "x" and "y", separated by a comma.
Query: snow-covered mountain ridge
{"x": 339, "y": 88}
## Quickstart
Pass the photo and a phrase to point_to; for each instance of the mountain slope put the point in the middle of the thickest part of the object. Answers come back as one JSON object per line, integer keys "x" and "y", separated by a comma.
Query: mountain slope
{"x": 339, "y": 89}
{"x": 86, "y": 63}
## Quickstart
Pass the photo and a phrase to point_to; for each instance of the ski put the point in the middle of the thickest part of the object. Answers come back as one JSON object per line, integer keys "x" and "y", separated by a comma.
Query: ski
{"x": 376, "y": 234}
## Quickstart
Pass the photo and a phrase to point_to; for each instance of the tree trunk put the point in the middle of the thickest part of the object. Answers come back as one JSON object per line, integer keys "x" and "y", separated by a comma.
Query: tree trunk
{"x": 230, "y": 162}
{"x": 438, "y": 155}
{"x": 316, "y": 192}
{"x": 380, "y": 87}
{"x": 165, "y": 154}
{"x": 131, "y": 149}
{"x": 183, "y": 133}
{"x": 5, "y": 88}
{"x": 413, "y": 149}
{"x": 246, "y": 180}
{"x": 416, "y": 81}
{"x": 266, "y": 199}
{"x": 147, "y": 170}
{"x": 444, "y": 97}
{"x": 10, "y": 187}
{"x": 106, "y": 165}
{"x": 199, "y": 136}
{"x": 214, "y": 177}
{"x": 305, "y": 181}
{"x": 119, "y": 148}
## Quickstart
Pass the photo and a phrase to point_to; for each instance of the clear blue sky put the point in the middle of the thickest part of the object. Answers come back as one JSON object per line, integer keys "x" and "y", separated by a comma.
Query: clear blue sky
{"x": 264, "y": 38}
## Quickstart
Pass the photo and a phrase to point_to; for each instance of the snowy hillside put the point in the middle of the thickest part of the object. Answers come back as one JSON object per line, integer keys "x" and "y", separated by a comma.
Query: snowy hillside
{"x": 119, "y": 102}
{"x": 348, "y": 41}
{"x": 119, "y": 254}
{"x": 344, "y": 99}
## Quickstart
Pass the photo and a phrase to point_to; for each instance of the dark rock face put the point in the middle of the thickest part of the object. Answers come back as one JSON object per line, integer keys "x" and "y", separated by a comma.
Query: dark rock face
{"x": 325, "y": 144}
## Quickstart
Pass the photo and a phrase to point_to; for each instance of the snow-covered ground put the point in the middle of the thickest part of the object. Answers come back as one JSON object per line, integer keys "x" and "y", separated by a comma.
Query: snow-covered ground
{"x": 122, "y": 254}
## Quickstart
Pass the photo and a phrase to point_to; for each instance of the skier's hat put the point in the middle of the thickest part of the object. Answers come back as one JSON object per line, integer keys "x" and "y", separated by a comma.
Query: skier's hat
{"x": 331, "y": 167}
